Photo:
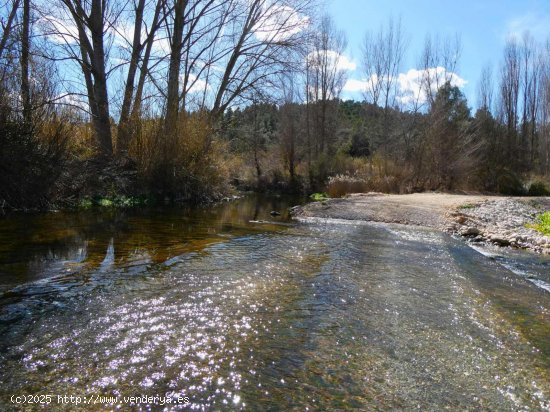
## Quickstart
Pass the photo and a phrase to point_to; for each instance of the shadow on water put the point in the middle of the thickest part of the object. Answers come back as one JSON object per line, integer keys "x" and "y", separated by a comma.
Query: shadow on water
{"x": 48, "y": 260}
{"x": 34, "y": 247}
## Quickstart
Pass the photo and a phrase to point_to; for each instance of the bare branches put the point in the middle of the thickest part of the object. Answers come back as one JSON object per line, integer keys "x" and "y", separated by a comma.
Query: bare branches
{"x": 439, "y": 61}
{"x": 8, "y": 24}
{"x": 324, "y": 79}
{"x": 382, "y": 55}
{"x": 485, "y": 89}
{"x": 264, "y": 40}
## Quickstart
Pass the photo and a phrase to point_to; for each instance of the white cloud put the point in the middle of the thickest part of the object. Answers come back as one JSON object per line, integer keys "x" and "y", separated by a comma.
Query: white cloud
{"x": 195, "y": 85}
{"x": 60, "y": 31}
{"x": 354, "y": 85}
{"x": 346, "y": 64}
{"x": 199, "y": 86}
{"x": 280, "y": 23}
{"x": 409, "y": 84}
{"x": 537, "y": 24}
{"x": 342, "y": 62}
{"x": 75, "y": 101}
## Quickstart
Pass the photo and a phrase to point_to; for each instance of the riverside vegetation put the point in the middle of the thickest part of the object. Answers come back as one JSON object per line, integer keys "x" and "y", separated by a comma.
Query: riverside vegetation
{"x": 543, "y": 224}
{"x": 79, "y": 124}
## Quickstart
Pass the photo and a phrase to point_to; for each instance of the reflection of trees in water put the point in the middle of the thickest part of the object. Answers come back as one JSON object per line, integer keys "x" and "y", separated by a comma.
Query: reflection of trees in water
{"x": 33, "y": 247}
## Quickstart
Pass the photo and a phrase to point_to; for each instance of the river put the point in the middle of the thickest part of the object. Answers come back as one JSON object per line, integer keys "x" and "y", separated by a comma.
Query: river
{"x": 232, "y": 308}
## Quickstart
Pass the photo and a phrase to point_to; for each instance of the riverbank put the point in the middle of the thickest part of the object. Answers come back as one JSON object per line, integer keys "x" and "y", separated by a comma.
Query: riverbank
{"x": 495, "y": 219}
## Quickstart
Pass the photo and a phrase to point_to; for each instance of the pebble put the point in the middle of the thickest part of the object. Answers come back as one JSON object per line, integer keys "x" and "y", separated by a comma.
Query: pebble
{"x": 502, "y": 222}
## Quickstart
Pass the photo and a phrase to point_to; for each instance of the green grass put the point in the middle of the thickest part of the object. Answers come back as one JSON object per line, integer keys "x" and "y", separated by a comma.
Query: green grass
{"x": 467, "y": 206}
{"x": 85, "y": 203}
{"x": 114, "y": 201}
{"x": 319, "y": 197}
{"x": 543, "y": 224}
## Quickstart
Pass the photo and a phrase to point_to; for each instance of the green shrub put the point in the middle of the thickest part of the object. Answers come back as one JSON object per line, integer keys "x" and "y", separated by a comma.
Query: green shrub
{"x": 542, "y": 224}
{"x": 85, "y": 203}
{"x": 508, "y": 183}
{"x": 119, "y": 201}
{"x": 319, "y": 197}
{"x": 538, "y": 188}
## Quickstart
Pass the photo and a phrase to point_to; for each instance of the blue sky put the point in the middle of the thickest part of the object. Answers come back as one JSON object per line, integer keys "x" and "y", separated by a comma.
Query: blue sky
{"x": 483, "y": 26}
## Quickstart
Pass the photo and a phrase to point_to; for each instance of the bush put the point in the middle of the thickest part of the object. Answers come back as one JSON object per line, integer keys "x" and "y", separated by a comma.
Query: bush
{"x": 359, "y": 146}
{"x": 543, "y": 224}
{"x": 538, "y": 188}
{"x": 195, "y": 166}
{"x": 341, "y": 185}
{"x": 32, "y": 158}
{"x": 121, "y": 201}
{"x": 319, "y": 197}
{"x": 508, "y": 183}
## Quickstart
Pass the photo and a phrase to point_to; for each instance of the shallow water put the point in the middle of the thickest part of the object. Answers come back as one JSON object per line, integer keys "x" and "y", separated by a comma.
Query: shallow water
{"x": 318, "y": 315}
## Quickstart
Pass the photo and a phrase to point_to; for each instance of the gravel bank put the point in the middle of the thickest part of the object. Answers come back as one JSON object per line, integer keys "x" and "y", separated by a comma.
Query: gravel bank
{"x": 502, "y": 222}
{"x": 495, "y": 219}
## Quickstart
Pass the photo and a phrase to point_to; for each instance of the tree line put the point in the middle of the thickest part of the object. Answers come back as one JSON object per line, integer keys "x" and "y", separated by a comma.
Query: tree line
{"x": 180, "y": 97}
{"x": 408, "y": 140}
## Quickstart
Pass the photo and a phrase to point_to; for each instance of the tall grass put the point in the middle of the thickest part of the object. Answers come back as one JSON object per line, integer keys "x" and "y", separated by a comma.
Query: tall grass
{"x": 194, "y": 166}
{"x": 376, "y": 174}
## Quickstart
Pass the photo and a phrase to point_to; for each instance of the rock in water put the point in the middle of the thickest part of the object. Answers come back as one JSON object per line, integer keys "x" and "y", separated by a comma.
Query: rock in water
{"x": 275, "y": 213}
{"x": 470, "y": 231}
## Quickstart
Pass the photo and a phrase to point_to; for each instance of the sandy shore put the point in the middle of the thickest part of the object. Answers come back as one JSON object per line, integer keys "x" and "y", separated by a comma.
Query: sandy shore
{"x": 496, "y": 219}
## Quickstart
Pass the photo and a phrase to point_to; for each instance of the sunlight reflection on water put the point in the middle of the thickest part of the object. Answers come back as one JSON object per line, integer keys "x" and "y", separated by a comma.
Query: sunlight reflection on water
{"x": 317, "y": 315}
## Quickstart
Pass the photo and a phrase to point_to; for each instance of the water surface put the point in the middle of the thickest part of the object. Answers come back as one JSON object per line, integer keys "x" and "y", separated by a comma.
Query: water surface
{"x": 277, "y": 315}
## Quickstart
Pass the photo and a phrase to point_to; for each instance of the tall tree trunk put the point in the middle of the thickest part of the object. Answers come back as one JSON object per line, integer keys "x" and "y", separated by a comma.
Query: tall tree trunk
{"x": 91, "y": 30}
{"x": 25, "y": 61}
{"x": 102, "y": 121}
{"x": 172, "y": 98}
{"x": 8, "y": 27}
{"x": 124, "y": 132}
{"x": 136, "y": 106}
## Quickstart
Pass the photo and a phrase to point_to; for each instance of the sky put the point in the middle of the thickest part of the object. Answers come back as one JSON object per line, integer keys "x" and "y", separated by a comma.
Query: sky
{"x": 483, "y": 26}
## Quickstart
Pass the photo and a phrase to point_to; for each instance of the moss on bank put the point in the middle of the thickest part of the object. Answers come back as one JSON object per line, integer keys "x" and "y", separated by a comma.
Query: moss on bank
{"x": 115, "y": 201}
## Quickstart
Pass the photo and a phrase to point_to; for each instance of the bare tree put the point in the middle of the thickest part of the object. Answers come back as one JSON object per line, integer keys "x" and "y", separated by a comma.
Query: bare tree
{"x": 289, "y": 115}
{"x": 25, "y": 63}
{"x": 199, "y": 51}
{"x": 438, "y": 61}
{"x": 382, "y": 56}
{"x": 263, "y": 42}
{"x": 509, "y": 96}
{"x": 176, "y": 44}
{"x": 530, "y": 87}
{"x": 485, "y": 89}
{"x": 191, "y": 21}
{"x": 140, "y": 52}
{"x": 325, "y": 78}
{"x": 144, "y": 71}
{"x": 544, "y": 108}
{"x": 8, "y": 20}
{"x": 83, "y": 35}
